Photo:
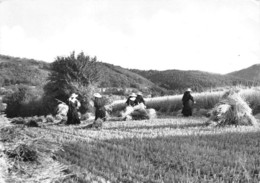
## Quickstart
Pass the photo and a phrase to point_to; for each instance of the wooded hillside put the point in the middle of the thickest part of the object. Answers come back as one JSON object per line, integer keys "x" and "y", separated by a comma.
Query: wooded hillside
{"x": 197, "y": 80}
{"x": 31, "y": 72}
{"x": 251, "y": 73}
{"x": 22, "y": 71}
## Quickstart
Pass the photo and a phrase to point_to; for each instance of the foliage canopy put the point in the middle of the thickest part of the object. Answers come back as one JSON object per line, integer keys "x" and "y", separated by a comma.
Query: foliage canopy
{"x": 72, "y": 74}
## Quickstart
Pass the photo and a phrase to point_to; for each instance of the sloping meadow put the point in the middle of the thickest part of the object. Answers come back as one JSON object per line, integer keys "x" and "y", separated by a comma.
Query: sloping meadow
{"x": 159, "y": 150}
{"x": 176, "y": 149}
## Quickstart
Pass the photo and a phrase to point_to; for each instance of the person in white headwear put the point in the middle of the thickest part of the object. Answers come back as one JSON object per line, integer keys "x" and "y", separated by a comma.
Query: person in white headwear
{"x": 187, "y": 102}
{"x": 139, "y": 98}
{"x": 139, "y": 101}
{"x": 131, "y": 100}
{"x": 134, "y": 102}
{"x": 72, "y": 115}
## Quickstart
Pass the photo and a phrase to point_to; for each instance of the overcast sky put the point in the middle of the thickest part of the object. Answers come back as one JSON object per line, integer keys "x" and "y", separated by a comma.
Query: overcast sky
{"x": 217, "y": 36}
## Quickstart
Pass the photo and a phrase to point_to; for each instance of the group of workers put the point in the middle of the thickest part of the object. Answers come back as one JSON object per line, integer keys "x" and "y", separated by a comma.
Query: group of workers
{"x": 132, "y": 101}
{"x": 135, "y": 99}
{"x": 74, "y": 105}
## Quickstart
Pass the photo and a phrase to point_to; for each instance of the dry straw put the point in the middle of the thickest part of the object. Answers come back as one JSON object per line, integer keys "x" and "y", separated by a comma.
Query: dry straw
{"x": 232, "y": 110}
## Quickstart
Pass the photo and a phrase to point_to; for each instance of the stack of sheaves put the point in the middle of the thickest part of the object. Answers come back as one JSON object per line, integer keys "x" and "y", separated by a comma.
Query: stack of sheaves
{"x": 138, "y": 112}
{"x": 232, "y": 110}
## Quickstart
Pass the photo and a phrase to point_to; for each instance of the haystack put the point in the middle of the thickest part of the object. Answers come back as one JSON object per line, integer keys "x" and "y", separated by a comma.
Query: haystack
{"x": 97, "y": 123}
{"x": 22, "y": 152}
{"x": 62, "y": 110}
{"x": 18, "y": 121}
{"x": 138, "y": 112}
{"x": 30, "y": 159}
{"x": 232, "y": 110}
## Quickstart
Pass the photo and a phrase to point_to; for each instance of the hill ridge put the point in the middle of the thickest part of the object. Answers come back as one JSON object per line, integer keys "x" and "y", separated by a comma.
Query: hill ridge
{"x": 250, "y": 73}
{"x": 15, "y": 70}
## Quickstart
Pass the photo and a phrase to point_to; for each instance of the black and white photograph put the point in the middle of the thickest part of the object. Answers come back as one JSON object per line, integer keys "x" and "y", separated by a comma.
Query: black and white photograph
{"x": 129, "y": 91}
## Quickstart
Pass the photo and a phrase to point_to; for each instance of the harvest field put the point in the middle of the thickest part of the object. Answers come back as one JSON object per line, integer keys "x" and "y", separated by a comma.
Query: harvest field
{"x": 160, "y": 150}
{"x": 170, "y": 105}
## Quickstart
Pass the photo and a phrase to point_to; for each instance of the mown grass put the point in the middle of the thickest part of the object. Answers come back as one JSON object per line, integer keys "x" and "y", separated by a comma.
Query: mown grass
{"x": 170, "y": 159}
{"x": 222, "y": 155}
{"x": 160, "y": 150}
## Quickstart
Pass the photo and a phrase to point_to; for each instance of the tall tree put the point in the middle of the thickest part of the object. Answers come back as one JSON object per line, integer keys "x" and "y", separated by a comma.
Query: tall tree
{"x": 72, "y": 74}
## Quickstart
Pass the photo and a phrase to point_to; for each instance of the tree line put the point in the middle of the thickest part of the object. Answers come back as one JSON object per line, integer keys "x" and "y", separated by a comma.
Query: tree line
{"x": 73, "y": 74}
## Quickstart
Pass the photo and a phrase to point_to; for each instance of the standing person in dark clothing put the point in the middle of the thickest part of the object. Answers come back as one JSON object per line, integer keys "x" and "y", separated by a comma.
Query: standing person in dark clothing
{"x": 72, "y": 115}
{"x": 139, "y": 99}
{"x": 131, "y": 100}
{"x": 187, "y": 102}
{"x": 99, "y": 104}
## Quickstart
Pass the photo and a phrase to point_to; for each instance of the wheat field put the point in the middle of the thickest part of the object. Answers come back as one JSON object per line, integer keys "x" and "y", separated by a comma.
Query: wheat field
{"x": 160, "y": 150}
{"x": 173, "y": 149}
{"x": 171, "y": 105}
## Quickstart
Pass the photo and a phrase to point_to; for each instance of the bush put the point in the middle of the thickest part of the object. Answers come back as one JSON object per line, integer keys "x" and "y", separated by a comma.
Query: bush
{"x": 14, "y": 101}
{"x": 25, "y": 101}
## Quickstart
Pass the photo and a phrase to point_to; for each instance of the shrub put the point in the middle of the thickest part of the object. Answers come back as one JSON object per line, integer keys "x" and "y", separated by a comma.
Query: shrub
{"x": 25, "y": 101}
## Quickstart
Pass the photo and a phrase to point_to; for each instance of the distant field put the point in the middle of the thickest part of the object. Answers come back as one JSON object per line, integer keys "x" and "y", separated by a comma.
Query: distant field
{"x": 206, "y": 100}
{"x": 160, "y": 150}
